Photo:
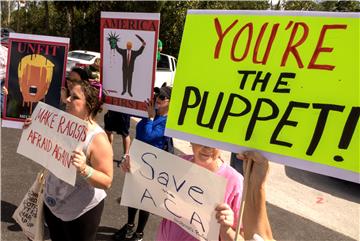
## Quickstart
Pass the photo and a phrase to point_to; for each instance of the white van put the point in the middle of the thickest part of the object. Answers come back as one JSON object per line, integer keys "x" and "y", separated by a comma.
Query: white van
{"x": 165, "y": 71}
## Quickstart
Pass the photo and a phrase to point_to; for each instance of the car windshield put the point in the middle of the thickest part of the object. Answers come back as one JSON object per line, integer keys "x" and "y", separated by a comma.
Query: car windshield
{"x": 77, "y": 55}
{"x": 4, "y": 39}
{"x": 6, "y": 31}
{"x": 163, "y": 63}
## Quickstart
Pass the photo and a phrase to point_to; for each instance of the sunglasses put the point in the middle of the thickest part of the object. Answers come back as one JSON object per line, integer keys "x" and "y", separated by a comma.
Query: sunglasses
{"x": 161, "y": 97}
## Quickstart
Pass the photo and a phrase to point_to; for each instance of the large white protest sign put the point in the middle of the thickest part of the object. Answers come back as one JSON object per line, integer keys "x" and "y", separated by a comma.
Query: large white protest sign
{"x": 51, "y": 138}
{"x": 128, "y": 42}
{"x": 175, "y": 189}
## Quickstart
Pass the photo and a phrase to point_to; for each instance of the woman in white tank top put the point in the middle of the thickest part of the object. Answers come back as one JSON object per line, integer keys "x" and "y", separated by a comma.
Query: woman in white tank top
{"x": 73, "y": 213}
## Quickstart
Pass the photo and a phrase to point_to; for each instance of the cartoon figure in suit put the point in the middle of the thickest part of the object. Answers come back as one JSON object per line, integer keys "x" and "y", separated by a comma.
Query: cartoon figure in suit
{"x": 128, "y": 55}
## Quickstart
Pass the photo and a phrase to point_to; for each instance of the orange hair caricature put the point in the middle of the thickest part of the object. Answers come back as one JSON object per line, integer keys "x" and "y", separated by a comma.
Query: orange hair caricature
{"x": 35, "y": 75}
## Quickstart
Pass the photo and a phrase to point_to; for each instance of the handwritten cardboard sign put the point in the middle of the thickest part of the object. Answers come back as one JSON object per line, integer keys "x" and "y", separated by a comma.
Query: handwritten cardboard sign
{"x": 128, "y": 47}
{"x": 51, "y": 138}
{"x": 175, "y": 189}
{"x": 286, "y": 83}
{"x": 35, "y": 72}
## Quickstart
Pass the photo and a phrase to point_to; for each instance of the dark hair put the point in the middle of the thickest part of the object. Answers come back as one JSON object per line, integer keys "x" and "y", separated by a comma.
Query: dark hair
{"x": 92, "y": 93}
{"x": 81, "y": 72}
{"x": 165, "y": 91}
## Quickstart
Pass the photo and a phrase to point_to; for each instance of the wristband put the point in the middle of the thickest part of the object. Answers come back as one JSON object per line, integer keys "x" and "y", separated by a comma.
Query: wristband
{"x": 124, "y": 158}
{"x": 82, "y": 172}
{"x": 90, "y": 173}
{"x": 257, "y": 237}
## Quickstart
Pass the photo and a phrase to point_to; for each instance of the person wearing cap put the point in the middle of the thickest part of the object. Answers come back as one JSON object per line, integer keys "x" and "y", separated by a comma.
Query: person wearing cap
{"x": 150, "y": 130}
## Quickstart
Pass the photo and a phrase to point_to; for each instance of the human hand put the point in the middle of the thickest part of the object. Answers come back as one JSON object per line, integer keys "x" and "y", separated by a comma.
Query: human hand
{"x": 150, "y": 107}
{"x": 259, "y": 168}
{"x": 79, "y": 161}
{"x": 5, "y": 90}
{"x": 224, "y": 215}
{"x": 27, "y": 123}
{"x": 125, "y": 165}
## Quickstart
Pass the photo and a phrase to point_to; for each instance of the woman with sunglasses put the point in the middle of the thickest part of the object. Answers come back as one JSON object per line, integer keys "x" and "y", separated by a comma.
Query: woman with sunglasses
{"x": 150, "y": 130}
{"x": 74, "y": 212}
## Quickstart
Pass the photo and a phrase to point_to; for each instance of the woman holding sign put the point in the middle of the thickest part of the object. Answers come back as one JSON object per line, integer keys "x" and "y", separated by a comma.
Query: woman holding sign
{"x": 255, "y": 216}
{"x": 150, "y": 130}
{"x": 74, "y": 212}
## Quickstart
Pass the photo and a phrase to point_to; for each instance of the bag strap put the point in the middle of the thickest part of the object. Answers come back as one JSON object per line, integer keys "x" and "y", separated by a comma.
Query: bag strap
{"x": 41, "y": 177}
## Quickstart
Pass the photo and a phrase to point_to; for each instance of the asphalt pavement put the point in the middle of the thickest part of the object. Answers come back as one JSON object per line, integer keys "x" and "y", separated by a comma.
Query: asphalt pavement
{"x": 301, "y": 205}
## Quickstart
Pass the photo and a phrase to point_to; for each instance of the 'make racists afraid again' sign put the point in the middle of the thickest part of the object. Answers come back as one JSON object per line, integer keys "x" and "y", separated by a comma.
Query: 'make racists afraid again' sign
{"x": 51, "y": 138}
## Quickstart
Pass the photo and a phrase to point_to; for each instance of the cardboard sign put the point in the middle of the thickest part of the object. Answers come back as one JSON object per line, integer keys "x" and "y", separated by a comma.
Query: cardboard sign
{"x": 128, "y": 47}
{"x": 175, "y": 189}
{"x": 51, "y": 138}
{"x": 35, "y": 72}
{"x": 286, "y": 83}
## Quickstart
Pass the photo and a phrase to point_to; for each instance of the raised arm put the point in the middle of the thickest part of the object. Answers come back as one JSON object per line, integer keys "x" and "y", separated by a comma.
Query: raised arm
{"x": 113, "y": 40}
{"x": 143, "y": 44}
{"x": 255, "y": 218}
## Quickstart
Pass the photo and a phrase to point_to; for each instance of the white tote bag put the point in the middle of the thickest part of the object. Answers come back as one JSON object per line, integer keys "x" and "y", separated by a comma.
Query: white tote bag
{"x": 29, "y": 214}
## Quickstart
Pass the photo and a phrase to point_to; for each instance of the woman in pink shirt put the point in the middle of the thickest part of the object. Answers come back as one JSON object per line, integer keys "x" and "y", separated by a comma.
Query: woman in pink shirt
{"x": 255, "y": 216}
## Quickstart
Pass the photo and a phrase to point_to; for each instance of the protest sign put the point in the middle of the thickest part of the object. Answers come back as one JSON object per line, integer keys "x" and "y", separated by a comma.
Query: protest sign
{"x": 175, "y": 189}
{"x": 51, "y": 138}
{"x": 35, "y": 72}
{"x": 286, "y": 83}
{"x": 128, "y": 48}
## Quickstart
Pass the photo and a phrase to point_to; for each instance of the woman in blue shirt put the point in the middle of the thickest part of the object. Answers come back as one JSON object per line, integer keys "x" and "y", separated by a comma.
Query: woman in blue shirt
{"x": 151, "y": 130}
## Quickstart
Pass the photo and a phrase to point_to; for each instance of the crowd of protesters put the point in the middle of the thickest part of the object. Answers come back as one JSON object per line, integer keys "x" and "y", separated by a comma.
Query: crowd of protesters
{"x": 75, "y": 212}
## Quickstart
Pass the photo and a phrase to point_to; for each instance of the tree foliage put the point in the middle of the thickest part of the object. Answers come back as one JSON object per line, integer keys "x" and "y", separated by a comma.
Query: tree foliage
{"x": 80, "y": 20}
